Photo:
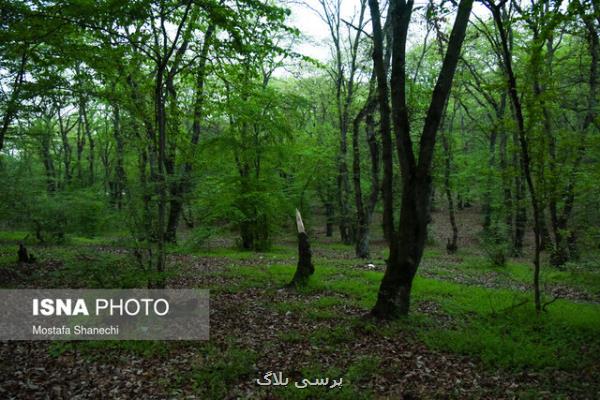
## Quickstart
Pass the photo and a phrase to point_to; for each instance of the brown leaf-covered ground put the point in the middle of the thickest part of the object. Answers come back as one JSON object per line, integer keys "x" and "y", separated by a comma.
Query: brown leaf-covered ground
{"x": 257, "y": 327}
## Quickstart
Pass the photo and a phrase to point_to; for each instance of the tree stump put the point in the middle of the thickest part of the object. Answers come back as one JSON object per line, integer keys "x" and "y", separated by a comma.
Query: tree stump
{"x": 305, "y": 267}
{"x": 24, "y": 256}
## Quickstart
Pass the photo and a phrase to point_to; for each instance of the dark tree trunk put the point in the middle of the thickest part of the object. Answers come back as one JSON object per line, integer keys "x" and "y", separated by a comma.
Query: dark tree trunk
{"x": 565, "y": 238}
{"x": 364, "y": 212}
{"x": 520, "y": 213}
{"x": 407, "y": 245}
{"x": 524, "y": 147}
{"x": 487, "y": 200}
{"x": 90, "y": 139}
{"x": 344, "y": 99}
{"x": 394, "y": 292}
{"x": 80, "y": 147}
{"x": 329, "y": 218}
{"x": 47, "y": 160}
{"x": 506, "y": 186}
{"x": 12, "y": 104}
{"x": 24, "y": 256}
{"x": 66, "y": 147}
{"x": 545, "y": 239}
{"x": 452, "y": 244}
{"x": 120, "y": 177}
{"x": 104, "y": 154}
{"x": 379, "y": 67}
{"x": 343, "y": 185}
{"x": 161, "y": 184}
{"x": 184, "y": 184}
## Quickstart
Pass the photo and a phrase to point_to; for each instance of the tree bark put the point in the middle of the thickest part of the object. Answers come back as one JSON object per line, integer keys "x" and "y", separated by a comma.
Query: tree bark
{"x": 406, "y": 247}
{"x": 11, "y": 107}
{"x": 452, "y": 245}
{"x": 120, "y": 177}
{"x": 88, "y": 134}
{"x": 184, "y": 184}
{"x": 66, "y": 147}
{"x": 565, "y": 239}
{"x": 305, "y": 267}
{"x": 524, "y": 147}
{"x": 364, "y": 212}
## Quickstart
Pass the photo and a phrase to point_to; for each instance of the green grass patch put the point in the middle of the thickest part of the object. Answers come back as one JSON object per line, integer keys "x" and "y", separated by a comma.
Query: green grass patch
{"x": 218, "y": 369}
{"x": 234, "y": 253}
{"x": 292, "y": 336}
{"x": 332, "y": 336}
{"x": 110, "y": 349}
{"x": 492, "y": 327}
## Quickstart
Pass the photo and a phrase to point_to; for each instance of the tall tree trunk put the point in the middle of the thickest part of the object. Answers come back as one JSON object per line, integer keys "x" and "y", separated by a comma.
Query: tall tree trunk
{"x": 452, "y": 245}
{"x": 565, "y": 238}
{"x": 487, "y": 198}
{"x": 46, "y": 143}
{"x": 120, "y": 177}
{"x": 343, "y": 185}
{"x": 329, "y": 218}
{"x": 520, "y": 211}
{"x": 524, "y": 147}
{"x": 364, "y": 212}
{"x": 80, "y": 146}
{"x": 161, "y": 184}
{"x": 344, "y": 99}
{"x": 407, "y": 245}
{"x": 12, "y": 104}
{"x": 88, "y": 134}
{"x": 66, "y": 147}
{"x": 507, "y": 203}
{"x": 184, "y": 184}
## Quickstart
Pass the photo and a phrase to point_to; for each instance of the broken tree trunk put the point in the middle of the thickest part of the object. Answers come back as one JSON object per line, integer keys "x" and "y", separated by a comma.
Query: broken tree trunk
{"x": 24, "y": 256}
{"x": 305, "y": 266}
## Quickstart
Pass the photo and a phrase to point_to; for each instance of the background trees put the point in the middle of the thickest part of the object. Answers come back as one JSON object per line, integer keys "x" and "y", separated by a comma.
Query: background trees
{"x": 177, "y": 121}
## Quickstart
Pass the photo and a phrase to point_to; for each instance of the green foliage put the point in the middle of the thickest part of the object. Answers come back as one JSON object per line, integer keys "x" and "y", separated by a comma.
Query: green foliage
{"x": 562, "y": 338}
{"x": 495, "y": 248}
{"x": 219, "y": 369}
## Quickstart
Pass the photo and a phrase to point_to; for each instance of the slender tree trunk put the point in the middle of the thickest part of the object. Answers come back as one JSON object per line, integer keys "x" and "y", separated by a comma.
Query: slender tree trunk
{"x": 47, "y": 159}
{"x": 329, "y": 217}
{"x": 185, "y": 185}
{"x": 12, "y": 104}
{"x": 161, "y": 184}
{"x": 565, "y": 238}
{"x": 80, "y": 147}
{"x": 90, "y": 139}
{"x": 364, "y": 212}
{"x": 66, "y": 147}
{"x": 524, "y": 147}
{"x": 343, "y": 185}
{"x": 520, "y": 211}
{"x": 452, "y": 245}
{"x": 120, "y": 177}
{"x": 506, "y": 186}
{"x": 487, "y": 199}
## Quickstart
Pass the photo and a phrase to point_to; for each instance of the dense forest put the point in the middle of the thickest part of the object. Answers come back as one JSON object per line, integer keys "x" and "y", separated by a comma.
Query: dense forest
{"x": 413, "y": 207}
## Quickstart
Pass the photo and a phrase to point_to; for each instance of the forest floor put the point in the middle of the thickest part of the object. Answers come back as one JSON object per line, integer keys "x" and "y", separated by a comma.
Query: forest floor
{"x": 472, "y": 331}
